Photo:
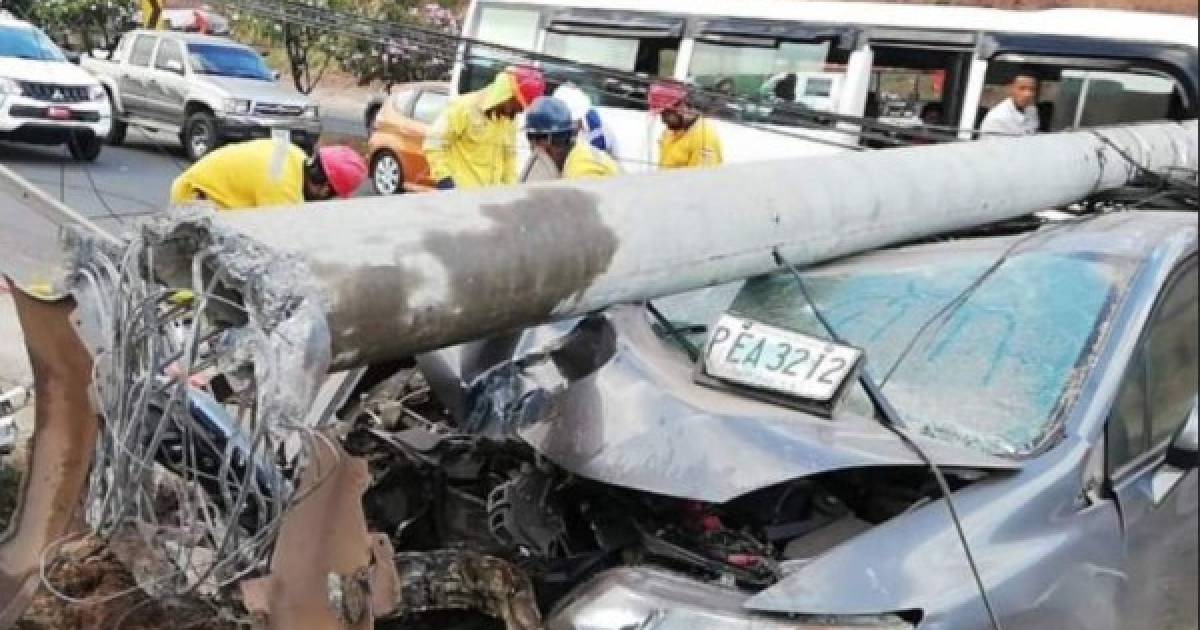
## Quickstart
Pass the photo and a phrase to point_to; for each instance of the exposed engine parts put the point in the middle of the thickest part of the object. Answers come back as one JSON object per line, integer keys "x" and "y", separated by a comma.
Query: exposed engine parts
{"x": 496, "y": 529}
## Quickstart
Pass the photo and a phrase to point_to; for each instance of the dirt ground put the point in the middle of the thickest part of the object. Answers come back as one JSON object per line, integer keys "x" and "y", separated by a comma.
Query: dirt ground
{"x": 106, "y": 598}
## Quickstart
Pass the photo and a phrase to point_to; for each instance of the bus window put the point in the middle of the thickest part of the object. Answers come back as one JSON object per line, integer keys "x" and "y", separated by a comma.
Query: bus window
{"x": 505, "y": 26}
{"x": 1078, "y": 97}
{"x": 914, "y": 86}
{"x": 628, "y": 43}
{"x": 769, "y": 70}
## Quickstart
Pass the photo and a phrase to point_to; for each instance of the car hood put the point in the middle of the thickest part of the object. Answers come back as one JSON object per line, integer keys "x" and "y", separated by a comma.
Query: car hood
{"x": 255, "y": 90}
{"x": 60, "y": 72}
{"x": 606, "y": 399}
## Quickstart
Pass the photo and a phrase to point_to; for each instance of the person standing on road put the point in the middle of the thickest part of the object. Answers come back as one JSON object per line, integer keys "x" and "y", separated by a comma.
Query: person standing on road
{"x": 552, "y": 131}
{"x": 1016, "y": 115}
{"x": 473, "y": 142}
{"x": 263, "y": 173}
{"x": 689, "y": 140}
{"x": 591, "y": 127}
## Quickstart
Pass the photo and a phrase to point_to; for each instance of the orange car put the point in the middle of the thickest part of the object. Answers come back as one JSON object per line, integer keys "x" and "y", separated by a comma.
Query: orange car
{"x": 397, "y": 133}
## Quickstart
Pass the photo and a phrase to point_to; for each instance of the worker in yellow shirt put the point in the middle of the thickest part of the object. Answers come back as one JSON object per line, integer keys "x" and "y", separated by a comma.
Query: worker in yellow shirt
{"x": 552, "y": 131}
{"x": 473, "y": 143}
{"x": 689, "y": 140}
{"x": 267, "y": 172}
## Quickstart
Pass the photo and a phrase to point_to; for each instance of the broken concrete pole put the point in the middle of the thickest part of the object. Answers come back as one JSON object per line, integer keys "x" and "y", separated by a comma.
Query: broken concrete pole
{"x": 409, "y": 274}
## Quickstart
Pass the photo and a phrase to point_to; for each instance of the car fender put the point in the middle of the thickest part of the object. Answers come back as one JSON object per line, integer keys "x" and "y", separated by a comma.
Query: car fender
{"x": 1048, "y": 557}
{"x": 114, "y": 93}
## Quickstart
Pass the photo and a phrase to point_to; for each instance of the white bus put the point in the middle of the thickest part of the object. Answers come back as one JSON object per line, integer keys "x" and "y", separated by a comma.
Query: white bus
{"x": 895, "y": 62}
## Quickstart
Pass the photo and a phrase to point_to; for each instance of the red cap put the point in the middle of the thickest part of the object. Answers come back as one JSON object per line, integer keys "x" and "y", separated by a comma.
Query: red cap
{"x": 528, "y": 84}
{"x": 344, "y": 169}
{"x": 663, "y": 96}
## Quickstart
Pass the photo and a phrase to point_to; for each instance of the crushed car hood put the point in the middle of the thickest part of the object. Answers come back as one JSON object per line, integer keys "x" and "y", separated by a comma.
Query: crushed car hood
{"x": 606, "y": 399}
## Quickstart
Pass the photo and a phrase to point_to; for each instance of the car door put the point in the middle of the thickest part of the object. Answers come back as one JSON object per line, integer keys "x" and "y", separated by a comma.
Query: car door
{"x": 1158, "y": 502}
{"x": 167, "y": 86}
{"x": 427, "y": 104}
{"x": 133, "y": 75}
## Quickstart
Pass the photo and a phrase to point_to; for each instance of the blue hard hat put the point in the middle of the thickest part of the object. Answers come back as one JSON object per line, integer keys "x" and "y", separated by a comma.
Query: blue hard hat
{"x": 548, "y": 115}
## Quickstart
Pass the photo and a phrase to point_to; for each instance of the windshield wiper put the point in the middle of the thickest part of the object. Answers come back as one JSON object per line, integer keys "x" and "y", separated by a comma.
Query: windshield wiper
{"x": 679, "y": 335}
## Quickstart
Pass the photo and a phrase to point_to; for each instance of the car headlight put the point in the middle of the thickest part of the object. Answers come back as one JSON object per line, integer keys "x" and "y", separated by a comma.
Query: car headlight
{"x": 97, "y": 93}
{"x": 8, "y": 86}
{"x": 312, "y": 111}
{"x": 238, "y": 106}
{"x": 650, "y": 599}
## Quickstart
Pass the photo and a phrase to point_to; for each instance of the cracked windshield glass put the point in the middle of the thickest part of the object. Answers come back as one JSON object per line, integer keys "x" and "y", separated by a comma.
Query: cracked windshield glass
{"x": 991, "y": 362}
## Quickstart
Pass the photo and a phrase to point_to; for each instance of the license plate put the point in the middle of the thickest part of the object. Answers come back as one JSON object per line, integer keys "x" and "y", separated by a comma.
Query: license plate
{"x": 754, "y": 354}
{"x": 58, "y": 113}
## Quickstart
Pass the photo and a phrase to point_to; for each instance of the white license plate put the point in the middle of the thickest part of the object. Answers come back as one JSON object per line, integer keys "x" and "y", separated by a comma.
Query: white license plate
{"x": 751, "y": 353}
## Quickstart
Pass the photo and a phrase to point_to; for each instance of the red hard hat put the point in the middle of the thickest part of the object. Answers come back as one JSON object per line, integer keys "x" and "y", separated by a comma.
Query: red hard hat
{"x": 664, "y": 96}
{"x": 528, "y": 84}
{"x": 344, "y": 169}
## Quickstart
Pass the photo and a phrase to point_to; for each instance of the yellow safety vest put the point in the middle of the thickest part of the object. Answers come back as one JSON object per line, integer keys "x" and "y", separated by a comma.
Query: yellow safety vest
{"x": 470, "y": 147}
{"x": 695, "y": 146}
{"x": 587, "y": 162}
{"x": 242, "y": 176}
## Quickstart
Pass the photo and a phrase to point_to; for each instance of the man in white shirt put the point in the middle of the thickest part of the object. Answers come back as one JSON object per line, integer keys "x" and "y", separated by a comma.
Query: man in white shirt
{"x": 1016, "y": 115}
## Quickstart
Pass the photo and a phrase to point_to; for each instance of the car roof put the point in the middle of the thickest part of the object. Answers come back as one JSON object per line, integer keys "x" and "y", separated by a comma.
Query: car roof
{"x": 7, "y": 19}
{"x": 196, "y": 38}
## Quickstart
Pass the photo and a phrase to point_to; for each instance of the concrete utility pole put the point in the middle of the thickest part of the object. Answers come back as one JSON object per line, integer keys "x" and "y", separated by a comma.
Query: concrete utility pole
{"x": 403, "y": 275}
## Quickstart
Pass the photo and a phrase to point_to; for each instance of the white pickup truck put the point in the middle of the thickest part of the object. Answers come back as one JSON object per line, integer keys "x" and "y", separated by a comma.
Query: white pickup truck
{"x": 44, "y": 99}
{"x": 208, "y": 90}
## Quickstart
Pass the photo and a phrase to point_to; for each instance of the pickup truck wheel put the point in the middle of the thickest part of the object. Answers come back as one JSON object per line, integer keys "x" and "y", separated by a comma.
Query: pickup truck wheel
{"x": 386, "y": 173}
{"x": 116, "y": 133}
{"x": 84, "y": 147}
{"x": 199, "y": 135}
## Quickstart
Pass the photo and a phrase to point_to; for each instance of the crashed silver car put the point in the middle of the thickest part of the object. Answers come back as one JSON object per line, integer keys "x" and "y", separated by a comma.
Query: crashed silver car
{"x": 1050, "y": 373}
{"x": 986, "y": 420}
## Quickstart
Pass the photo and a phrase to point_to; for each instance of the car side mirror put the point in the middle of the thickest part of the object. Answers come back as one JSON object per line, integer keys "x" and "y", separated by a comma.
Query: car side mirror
{"x": 175, "y": 66}
{"x": 1184, "y": 451}
{"x": 72, "y": 56}
{"x": 275, "y": 74}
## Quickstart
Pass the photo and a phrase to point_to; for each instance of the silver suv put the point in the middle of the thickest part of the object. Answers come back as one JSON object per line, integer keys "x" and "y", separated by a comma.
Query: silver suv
{"x": 209, "y": 90}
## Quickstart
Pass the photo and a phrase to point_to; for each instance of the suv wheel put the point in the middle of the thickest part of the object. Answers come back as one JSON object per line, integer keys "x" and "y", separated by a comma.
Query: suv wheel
{"x": 199, "y": 135}
{"x": 387, "y": 174}
{"x": 84, "y": 147}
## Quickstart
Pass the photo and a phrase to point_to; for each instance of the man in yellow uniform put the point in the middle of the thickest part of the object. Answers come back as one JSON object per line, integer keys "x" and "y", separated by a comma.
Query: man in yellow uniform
{"x": 552, "y": 131}
{"x": 262, "y": 173}
{"x": 689, "y": 140}
{"x": 473, "y": 143}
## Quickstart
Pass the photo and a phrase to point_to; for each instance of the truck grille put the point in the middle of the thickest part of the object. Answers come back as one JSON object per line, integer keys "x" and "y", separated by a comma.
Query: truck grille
{"x": 275, "y": 109}
{"x": 55, "y": 93}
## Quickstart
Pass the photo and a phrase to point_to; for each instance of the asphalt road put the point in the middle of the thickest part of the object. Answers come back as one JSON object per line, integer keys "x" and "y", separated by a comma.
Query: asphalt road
{"x": 124, "y": 182}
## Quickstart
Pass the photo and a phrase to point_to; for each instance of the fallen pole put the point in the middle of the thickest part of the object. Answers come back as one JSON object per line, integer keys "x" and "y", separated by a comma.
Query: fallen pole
{"x": 404, "y": 275}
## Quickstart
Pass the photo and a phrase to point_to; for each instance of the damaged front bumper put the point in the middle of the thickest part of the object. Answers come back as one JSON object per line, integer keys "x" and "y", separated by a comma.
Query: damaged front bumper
{"x": 653, "y": 599}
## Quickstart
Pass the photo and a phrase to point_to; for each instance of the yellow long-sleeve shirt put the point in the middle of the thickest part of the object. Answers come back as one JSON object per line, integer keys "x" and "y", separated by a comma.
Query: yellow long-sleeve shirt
{"x": 587, "y": 162}
{"x": 246, "y": 175}
{"x": 696, "y": 146}
{"x": 471, "y": 147}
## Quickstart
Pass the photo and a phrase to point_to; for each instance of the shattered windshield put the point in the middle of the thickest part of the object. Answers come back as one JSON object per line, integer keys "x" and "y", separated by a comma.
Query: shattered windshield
{"x": 989, "y": 374}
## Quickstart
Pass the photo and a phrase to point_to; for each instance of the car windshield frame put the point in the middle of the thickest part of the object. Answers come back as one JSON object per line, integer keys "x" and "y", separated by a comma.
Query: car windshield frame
{"x": 36, "y": 47}
{"x": 222, "y": 64}
{"x": 1005, "y": 386}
